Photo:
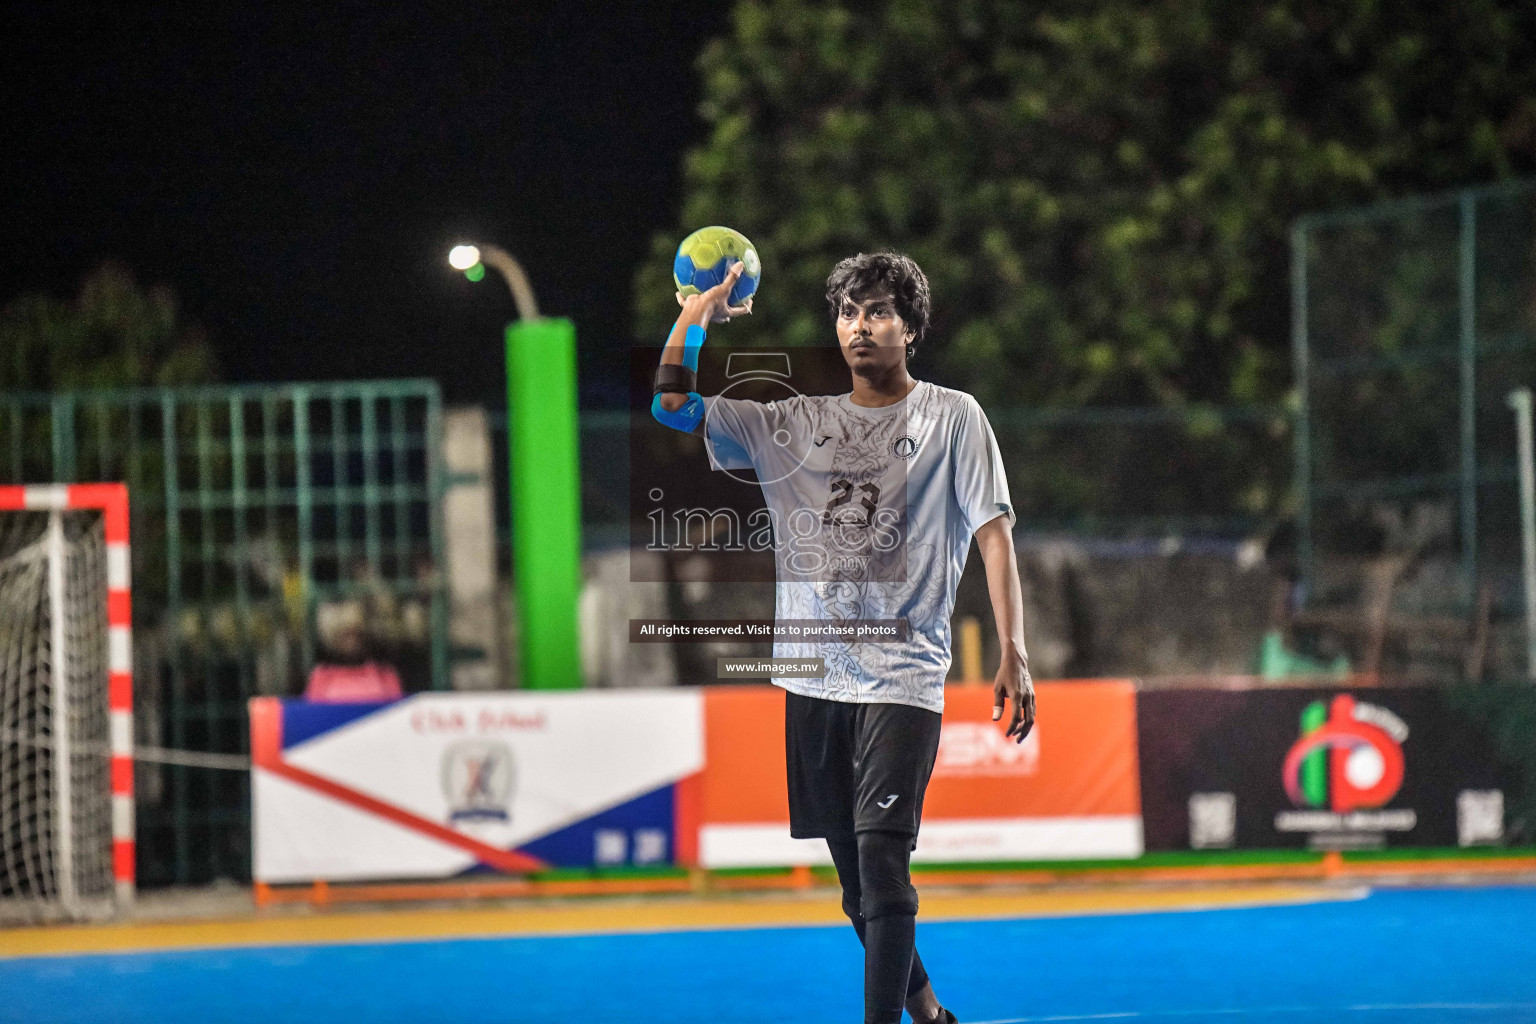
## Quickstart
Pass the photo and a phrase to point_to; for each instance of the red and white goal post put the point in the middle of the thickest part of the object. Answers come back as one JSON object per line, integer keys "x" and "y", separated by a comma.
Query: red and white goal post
{"x": 66, "y": 700}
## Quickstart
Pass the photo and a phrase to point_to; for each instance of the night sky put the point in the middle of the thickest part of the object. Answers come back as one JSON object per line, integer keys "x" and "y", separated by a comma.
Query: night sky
{"x": 299, "y": 175}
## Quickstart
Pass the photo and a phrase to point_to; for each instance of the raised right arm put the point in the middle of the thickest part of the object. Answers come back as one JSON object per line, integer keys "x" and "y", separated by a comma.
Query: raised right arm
{"x": 675, "y": 402}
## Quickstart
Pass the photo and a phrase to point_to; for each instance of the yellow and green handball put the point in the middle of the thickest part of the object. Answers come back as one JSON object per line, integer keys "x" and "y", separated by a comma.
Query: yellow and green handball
{"x": 706, "y": 255}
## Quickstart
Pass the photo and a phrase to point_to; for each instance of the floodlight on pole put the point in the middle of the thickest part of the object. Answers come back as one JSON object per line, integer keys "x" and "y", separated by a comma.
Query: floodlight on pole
{"x": 545, "y": 477}
{"x": 467, "y": 257}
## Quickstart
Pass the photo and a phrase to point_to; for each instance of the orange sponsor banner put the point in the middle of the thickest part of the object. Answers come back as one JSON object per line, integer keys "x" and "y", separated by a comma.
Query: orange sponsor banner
{"x": 1070, "y": 790}
{"x": 1080, "y": 758}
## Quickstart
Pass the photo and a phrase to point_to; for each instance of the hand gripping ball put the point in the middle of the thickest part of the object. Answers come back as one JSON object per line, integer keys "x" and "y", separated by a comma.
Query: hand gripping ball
{"x": 705, "y": 256}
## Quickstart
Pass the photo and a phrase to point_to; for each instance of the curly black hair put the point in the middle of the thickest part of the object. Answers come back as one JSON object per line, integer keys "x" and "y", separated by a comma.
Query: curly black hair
{"x": 871, "y": 273}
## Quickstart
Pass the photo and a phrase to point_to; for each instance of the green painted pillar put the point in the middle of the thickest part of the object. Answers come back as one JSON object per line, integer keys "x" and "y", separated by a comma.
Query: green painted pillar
{"x": 546, "y": 498}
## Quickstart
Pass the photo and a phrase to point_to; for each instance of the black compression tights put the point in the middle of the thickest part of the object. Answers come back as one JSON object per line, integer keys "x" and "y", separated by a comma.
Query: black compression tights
{"x": 879, "y": 899}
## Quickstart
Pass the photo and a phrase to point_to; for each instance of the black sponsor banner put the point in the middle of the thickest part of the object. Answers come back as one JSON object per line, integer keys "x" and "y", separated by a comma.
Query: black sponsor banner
{"x": 1321, "y": 768}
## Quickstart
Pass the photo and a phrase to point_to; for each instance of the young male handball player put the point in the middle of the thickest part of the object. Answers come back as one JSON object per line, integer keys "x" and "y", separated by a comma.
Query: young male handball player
{"x": 896, "y": 458}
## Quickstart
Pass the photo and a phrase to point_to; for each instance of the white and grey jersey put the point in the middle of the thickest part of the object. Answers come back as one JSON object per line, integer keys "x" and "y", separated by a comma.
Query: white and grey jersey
{"x": 873, "y": 513}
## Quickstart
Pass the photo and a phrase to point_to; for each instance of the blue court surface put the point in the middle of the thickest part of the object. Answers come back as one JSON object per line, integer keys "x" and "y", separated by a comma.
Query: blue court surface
{"x": 1412, "y": 955}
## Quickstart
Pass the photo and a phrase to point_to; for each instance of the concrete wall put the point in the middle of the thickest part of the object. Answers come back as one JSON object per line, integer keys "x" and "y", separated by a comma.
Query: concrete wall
{"x": 1086, "y": 614}
{"x": 469, "y": 540}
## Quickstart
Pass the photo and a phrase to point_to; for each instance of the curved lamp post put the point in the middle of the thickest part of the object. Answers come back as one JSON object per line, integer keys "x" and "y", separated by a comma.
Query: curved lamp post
{"x": 545, "y": 475}
{"x": 468, "y": 257}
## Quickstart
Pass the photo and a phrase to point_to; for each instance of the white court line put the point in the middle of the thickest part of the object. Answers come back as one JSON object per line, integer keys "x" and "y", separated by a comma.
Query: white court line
{"x": 1363, "y": 1008}
{"x": 1153, "y": 1013}
{"x": 1085, "y": 1016}
{"x": 1442, "y": 1006}
{"x": 1298, "y": 899}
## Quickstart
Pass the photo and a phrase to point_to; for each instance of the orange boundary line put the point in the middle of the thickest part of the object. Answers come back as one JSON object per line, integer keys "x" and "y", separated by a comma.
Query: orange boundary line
{"x": 322, "y": 893}
{"x": 1330, "y": 867}
{"x": 344, "y": 925}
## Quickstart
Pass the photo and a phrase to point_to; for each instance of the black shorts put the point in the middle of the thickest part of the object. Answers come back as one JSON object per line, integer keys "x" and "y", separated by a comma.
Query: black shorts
{"x": 857, "y": 767}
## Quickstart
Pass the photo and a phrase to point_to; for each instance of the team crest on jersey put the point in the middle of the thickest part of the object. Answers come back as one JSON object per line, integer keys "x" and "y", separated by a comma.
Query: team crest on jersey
{"x": 904, "y": 447}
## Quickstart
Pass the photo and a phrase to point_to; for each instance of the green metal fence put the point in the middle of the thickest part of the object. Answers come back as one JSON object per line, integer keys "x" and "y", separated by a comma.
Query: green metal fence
{"x": 254, "y": 509}
{"x": 1411, "y": 322}
{"x": 1146, "y": 472}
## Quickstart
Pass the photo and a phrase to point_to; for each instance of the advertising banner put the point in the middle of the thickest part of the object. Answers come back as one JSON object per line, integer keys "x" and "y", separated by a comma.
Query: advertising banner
{"x": 1069, "y": 791}
{"x": 445, "y": 783}
{"x": 1317, "y": 768}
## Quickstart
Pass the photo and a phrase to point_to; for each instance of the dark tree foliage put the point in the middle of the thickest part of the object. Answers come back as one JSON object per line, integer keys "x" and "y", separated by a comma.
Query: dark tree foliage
{"x": 1100, "y": 191}
{"x": 113, "y": 334}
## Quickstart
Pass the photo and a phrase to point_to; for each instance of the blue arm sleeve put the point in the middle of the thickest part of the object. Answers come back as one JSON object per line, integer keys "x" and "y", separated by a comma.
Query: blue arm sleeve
{"x": 692, "y": 342}
{"x": 686, "y": 418}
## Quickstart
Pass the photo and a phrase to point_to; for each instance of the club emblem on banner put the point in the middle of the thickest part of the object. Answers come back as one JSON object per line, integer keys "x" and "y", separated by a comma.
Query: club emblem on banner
{"x": 477, "y": 778}
{"x": 1366, "y": 757}
{"x": 1347, "y": 765}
